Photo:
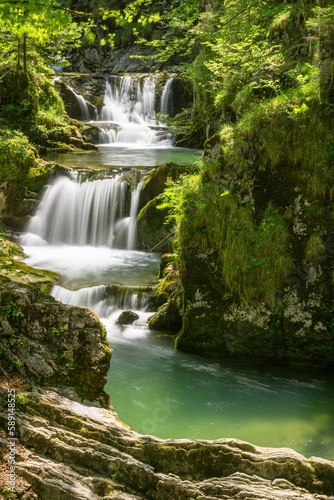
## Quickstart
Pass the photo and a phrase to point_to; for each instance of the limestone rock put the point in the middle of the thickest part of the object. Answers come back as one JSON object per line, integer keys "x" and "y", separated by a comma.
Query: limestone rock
{"x": 52, "y": 343}
{"x": 74, "y": 451}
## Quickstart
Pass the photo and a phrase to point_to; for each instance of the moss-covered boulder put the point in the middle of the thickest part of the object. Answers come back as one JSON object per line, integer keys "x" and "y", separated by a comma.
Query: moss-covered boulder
{"x": 155, "y": 232}
{"x": 256, "y": 242}
{"x": 127, "y": 317}
{"x": 156, "y": 180}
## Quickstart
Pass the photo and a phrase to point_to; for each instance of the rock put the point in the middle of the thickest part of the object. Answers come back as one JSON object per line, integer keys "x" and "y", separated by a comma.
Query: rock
{"x": 52, "y": 343}
{"x": 155, "y": 182}
{"x": 75, "y": 451}
{"x": 127, "y": 318}
{"x": 153, "y": 233}
{"x": 167, "y": 318}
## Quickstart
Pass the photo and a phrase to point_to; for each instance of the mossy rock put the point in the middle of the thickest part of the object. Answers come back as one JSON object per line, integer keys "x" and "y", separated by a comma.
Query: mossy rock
{"x": 167, "y": 318}
{"x": 155, "y": 182}
{"x": 12, "y": 268}
{"x": 152, "y": 230}
{"x": 127, "y": 318}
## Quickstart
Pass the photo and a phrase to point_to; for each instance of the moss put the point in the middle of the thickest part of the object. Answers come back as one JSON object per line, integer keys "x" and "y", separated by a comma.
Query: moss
{"x": 252, "y": 258}
{"x": 315, "y": 249}
{"x": 152, "y": 232}
{"x": 19, "y": 272}
{"x": 167, "y": 318}
{"x": 38, "y": 176}
{"x": 17, "y": 156}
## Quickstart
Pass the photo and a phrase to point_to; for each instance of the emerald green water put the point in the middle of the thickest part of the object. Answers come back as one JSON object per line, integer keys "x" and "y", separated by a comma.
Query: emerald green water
{"x": 125, "y": 156}
{"x": 158, "y": 390}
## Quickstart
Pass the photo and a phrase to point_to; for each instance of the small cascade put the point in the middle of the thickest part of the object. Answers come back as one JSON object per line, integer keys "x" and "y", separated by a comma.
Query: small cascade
{"x": 83, "y": 106}
{"x": 103, "y": 300}
{"x": 166, "y": 97}
{"x": 128, "y": 115}
{"x": 85, "y": 213}
{"x": 132, "y": 230}
{"x": 86, "y": 108}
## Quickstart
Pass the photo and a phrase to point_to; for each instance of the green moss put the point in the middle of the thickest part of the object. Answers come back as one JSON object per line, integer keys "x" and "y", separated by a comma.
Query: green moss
{"x": 151, "y": 227}
{"x": 290, "y": 134}
{"x": 252, "y": 258}
{"x": 17, "y": 156}
{"x": 315, "y": 250}
{"x": 19, "y": 272}
{"x": 38, "y": 176}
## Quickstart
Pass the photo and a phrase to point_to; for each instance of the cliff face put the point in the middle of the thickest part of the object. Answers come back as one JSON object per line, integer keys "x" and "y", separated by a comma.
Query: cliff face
{"x": 255, "y": 228}
{"x": 257, "y": 254}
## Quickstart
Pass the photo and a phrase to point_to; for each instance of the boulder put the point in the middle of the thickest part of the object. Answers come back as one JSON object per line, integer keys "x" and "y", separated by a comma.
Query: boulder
{"x": 127, "y": 317}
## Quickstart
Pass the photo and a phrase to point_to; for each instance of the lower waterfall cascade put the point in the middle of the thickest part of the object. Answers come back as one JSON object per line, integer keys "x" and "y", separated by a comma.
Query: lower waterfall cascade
{"x": 85, "y": 227}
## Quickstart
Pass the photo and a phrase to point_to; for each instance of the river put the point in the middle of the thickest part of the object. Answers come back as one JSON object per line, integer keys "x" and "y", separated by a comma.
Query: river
{"x": 82, "y": 230}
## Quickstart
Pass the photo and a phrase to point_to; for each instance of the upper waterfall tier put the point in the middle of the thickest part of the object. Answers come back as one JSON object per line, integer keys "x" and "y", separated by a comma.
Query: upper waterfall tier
{"x": 85, "y": 213}
{"x": 129, "y": 113}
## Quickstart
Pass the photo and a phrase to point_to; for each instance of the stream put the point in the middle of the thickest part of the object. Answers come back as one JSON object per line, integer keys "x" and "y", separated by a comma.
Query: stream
{"x": 85, "y": 230}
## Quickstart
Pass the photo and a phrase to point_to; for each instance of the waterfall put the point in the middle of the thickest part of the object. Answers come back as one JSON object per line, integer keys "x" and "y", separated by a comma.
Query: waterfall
{"x": 128, "y": 115}
{"x": 85, "y": 213}
{"x": 82, "y": 103}
{"x": 166, "y": 96}
{"x": 100, "y": 300}
{"x": 132, "y": 231}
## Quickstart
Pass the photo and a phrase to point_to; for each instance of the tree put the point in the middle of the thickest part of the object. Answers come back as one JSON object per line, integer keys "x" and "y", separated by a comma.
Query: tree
{"x": 35, "y": 24}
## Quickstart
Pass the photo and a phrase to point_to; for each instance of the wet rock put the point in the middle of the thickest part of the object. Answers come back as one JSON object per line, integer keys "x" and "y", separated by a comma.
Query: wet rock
{"x": 127, "y": 317}
{"x": 167, "y": 318}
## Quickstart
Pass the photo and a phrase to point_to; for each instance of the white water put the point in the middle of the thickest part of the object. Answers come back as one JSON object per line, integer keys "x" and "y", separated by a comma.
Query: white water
{"x": 98, "y": 298}
{"x": 83, "y": 106}
{"x": 166, "y": 96}
{"x": 82, "y": 103}
{"x": 84, "y": 232}
{"x": 85, "y": 213}
{"x": 128, "y": 116}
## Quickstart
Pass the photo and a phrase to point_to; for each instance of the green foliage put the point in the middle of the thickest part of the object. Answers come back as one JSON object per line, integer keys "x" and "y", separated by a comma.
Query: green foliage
{"x": 35, "y": 28}
{"x": 10, "y": 311}
{"x": 17, "y": 156}
{"x": 21, "y": 401}
{"x": 252, "y": 258}
{"x": 58, "y": 330}
{"x": 290, "y": 131}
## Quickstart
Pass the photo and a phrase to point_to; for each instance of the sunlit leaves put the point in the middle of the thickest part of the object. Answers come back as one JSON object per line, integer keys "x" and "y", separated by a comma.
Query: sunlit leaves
{"x": 38, "y": 22}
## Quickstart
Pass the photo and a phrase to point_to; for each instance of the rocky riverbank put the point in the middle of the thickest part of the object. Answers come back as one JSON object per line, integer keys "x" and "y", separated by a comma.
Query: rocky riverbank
{"x": 69, "y": 450}
{"x": 70, "y": 444}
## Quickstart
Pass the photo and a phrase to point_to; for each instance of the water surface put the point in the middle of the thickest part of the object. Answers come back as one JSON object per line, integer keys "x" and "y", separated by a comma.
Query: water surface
{"x": 126, "y": 156}
{"x": 160, "y": 391}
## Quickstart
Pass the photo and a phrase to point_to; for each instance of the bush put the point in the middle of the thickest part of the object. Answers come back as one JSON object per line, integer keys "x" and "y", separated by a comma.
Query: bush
{"x": 17, "y": 156}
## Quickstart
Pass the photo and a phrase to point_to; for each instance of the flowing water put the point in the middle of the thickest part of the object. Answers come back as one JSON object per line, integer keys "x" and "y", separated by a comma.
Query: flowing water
{"x": 85, "y": 230}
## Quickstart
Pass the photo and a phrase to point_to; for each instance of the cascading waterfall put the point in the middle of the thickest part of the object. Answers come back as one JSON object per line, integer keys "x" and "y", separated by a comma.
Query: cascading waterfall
{"x": 129, "y": 115}
{"x": 166, "y": 97}
{"x": 85, "y": 213}
{"x": 100, "y": 300}
{"x": 82, "y": 103}
{"x": 88, "y": 228}
{"x": 132, "y": 229}
{"x": 83, "y": 106}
